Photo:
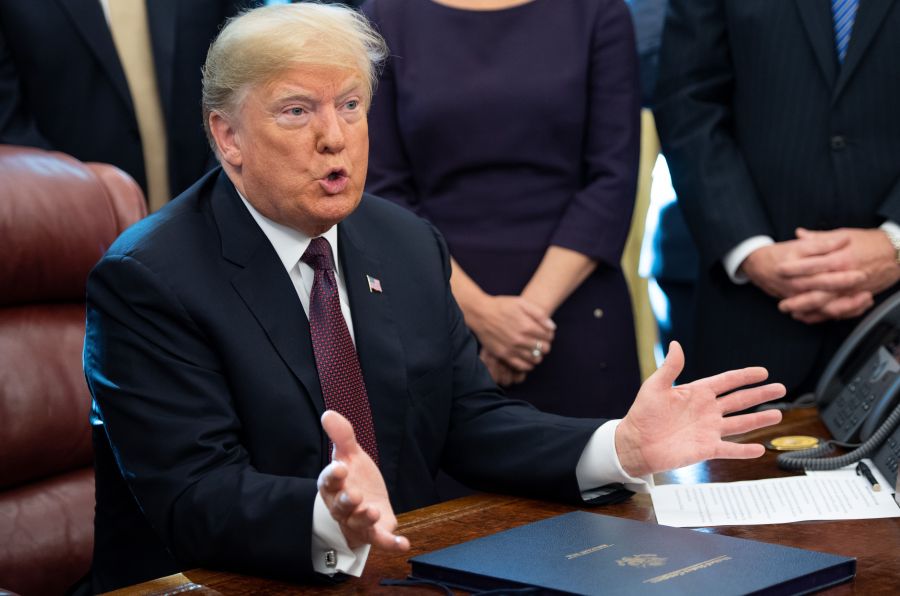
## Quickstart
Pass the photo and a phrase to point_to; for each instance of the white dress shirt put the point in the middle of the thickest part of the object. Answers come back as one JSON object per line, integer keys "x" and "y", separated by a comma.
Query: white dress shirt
{"x": 598, "y": 465}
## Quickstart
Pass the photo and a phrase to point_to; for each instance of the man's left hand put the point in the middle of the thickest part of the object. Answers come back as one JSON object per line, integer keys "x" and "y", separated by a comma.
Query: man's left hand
{"x": 673, "y": 426}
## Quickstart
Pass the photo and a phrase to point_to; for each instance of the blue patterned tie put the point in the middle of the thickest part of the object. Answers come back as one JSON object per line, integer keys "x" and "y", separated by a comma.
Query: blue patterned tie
{"x": 844, "y": 14}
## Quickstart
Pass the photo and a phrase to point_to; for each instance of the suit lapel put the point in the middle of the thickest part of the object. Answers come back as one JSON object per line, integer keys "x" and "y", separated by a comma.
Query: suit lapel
{"x": 377, "y": 341}
{"x": 265, "y": 286}
{"x": 88, "y": 18}
{"x": 162, "y": 17}
{"x": 817, "y": 21}
{"x": 869, "y": 18}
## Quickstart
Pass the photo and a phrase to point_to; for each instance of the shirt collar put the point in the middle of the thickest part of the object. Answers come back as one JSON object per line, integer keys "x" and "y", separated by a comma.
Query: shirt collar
{"x": 289, "y": 244}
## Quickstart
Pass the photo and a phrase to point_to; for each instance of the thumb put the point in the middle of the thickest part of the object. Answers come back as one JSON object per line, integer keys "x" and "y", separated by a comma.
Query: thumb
{"x": 665, "y": 375}
{"x": 340, "y": 431}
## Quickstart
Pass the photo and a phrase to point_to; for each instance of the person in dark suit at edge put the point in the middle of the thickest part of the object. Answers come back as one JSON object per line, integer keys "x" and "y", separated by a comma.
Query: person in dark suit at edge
{"x": 113, "y": 81}
{"x": 777, "y": 122}
{"x": 278, "y": 364}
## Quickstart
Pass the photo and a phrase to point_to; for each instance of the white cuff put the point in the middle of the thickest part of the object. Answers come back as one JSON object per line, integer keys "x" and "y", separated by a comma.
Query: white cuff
{"x": 735, "y": 257}
{"x": 599, "y": 463}
{"x": 891, "y": 228}
{"x": 328, "y": 543}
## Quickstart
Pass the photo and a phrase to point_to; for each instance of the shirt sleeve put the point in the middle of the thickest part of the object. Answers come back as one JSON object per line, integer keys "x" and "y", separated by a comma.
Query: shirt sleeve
{"x": 330, "y": 552}
{"x": 599, "y": 464}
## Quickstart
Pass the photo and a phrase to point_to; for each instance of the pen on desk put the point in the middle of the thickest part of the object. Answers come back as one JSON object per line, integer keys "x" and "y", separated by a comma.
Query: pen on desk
{"x": 862, "y": 468}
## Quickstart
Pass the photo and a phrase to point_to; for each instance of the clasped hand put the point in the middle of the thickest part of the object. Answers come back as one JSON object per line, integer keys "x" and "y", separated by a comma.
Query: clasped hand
{"x": 515, "y": 335}
{"x": 825, "y": 275}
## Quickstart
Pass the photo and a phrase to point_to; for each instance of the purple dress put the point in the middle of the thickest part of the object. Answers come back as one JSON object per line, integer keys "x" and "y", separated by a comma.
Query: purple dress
{"x": 512, "y": 130}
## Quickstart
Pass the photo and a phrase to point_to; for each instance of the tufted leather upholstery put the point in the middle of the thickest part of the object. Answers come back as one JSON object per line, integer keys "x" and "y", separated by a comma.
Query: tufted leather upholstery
{"x": 57, "y": 217}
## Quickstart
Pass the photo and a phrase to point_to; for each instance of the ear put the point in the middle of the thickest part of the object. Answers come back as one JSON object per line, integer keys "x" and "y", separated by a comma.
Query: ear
{"x": 227, "y": 139}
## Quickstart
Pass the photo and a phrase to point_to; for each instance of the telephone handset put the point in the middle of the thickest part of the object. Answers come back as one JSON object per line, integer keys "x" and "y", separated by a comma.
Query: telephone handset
{"x": 859, "y": 395}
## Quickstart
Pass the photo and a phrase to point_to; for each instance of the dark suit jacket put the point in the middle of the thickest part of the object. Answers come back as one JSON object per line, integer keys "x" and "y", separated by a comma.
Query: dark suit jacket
{"x": 199, "y": 358}
{"x": 62, "y": 86}
{"x": 764, "y": 131}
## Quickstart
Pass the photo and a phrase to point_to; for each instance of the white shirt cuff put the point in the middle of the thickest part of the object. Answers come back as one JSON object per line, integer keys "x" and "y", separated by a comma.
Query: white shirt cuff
{"x": 328, "y": 543}
{"x": 732, "y": 261}
{"x": 599, "y": 463}
{"x": 891, "y": 227}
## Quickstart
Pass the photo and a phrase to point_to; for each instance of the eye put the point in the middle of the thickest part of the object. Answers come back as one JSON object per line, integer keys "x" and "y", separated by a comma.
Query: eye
{"x": 352, "y": 104}
{"x": 296, "y": 111}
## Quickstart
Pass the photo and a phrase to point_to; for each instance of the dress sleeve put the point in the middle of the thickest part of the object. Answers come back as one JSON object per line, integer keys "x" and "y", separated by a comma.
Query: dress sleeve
{"x": 390, "y": 174}
{"x": 596, "y": 222}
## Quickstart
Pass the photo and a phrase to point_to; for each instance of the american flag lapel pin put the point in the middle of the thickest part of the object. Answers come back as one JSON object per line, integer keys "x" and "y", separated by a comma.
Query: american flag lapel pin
{"x": 374, "y": 284}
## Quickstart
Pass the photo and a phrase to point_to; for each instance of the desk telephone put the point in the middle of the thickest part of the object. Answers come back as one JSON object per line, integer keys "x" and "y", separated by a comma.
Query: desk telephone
{"x": 859, "y": 396}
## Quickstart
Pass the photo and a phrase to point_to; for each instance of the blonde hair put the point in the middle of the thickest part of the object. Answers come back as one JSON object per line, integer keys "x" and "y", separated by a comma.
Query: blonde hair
{"x": 255, "y": 46}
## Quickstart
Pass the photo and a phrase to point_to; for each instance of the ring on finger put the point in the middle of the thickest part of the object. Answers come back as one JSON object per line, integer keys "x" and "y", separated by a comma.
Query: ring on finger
{"x": 538, "y": 350}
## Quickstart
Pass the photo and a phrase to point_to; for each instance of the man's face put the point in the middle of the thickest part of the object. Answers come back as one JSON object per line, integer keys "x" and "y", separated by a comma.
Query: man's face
{"x": 298, "y": 149}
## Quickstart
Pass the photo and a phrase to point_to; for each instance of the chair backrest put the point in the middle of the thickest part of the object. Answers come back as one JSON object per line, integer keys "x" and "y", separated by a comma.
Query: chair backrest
{"x": 57, "y": 218}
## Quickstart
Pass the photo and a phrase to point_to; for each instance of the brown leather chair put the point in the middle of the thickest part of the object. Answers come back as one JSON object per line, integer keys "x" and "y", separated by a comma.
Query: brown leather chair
{"x": 57, "y": 217}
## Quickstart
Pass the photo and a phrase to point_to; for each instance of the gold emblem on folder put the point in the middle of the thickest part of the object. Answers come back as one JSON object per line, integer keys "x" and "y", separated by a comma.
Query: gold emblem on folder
{"x": 642, "y": 561}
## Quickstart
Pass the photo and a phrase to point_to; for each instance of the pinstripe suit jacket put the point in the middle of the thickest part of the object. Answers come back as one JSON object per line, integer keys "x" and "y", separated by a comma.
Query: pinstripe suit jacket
{"x": 765, "y": 131}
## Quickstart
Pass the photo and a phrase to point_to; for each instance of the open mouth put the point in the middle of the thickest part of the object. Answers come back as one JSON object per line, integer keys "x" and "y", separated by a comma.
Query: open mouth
{"x": 335, "y": 181}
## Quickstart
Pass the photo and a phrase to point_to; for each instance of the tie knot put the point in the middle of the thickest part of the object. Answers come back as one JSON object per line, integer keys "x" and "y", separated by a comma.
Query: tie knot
{"x": 318, "y": 255}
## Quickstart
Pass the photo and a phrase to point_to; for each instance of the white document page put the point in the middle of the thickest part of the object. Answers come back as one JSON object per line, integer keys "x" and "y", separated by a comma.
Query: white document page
{"x": 819, "y": 496}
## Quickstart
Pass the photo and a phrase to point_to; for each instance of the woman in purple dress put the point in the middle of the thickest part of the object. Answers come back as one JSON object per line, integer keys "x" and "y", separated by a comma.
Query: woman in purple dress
{"x": 513, "y": 126}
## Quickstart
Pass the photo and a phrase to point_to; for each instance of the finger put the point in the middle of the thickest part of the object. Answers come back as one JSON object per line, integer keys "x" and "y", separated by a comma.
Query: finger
{"x": 728, "y": 450}
{"x": 518, "y": 378}
{"x": 332, "y": 478}
{"x": 389, "y": 541}
{"x": 519, "y": 364}
{"x": 810, "y": 318}
{"x": 665, "y": 375}
{"x": 819, "y": 243}
{"x": 340, "y": 432}
{"x": 538, "y": 315}
{"x": 753, "y": 396}
{"x": 831, "y": 281}
{"x": 845, "y": 307}
{"x": 736, "y": 425}
{"x": 345, "y": 506}
{"x": 360, "y": 519}
{"x": 732, "y": 379}
{"x": 806, "y": 302}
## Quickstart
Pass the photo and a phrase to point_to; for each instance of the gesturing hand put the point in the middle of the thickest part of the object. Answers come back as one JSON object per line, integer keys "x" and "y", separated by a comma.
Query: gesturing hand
{"x": 354, "y": 492}
{"x": 669, "y": 427}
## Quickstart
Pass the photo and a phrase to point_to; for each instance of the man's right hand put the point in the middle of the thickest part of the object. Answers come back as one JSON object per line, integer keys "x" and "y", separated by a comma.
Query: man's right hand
{"x": 763, "y": 267}
{"x": 354, "y": 491}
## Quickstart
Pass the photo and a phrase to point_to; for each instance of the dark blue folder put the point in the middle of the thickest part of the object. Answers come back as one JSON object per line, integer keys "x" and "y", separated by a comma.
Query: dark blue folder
{"x": 586, "y": 553}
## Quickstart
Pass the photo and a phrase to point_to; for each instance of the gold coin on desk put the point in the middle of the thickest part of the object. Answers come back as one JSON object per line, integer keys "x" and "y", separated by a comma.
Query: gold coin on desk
{"x": 793, "y": 443}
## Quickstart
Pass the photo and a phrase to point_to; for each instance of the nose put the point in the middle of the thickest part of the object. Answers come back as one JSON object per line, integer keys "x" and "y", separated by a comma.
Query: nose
{"x": 330, "y": 135}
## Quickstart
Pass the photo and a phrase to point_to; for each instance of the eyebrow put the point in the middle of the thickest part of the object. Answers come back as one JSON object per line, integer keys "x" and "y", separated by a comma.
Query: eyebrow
{"x": 352, "y": 87}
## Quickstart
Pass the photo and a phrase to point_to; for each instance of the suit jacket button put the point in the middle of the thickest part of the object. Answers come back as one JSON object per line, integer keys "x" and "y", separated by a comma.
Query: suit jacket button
{"x": 598, "y": 313}
{"x": 838, "y": 142}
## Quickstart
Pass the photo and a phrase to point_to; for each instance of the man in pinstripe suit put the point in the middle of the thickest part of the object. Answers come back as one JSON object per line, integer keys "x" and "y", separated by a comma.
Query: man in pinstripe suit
{"x": 778, "y": 121}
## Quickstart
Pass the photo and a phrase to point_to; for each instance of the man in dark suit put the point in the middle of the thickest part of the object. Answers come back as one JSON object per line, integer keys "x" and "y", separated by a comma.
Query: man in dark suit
{"x": 777, "y": 118}
{"x": 63, "y": 87}
{"x": 222, "y": 328}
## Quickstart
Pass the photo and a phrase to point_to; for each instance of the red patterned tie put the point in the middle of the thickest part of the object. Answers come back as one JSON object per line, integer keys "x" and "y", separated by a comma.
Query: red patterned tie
{"x": 339, "y": 372}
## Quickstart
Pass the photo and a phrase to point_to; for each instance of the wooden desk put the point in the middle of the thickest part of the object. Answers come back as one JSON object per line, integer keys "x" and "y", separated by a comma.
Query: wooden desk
{"x": 875, "y": 543}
